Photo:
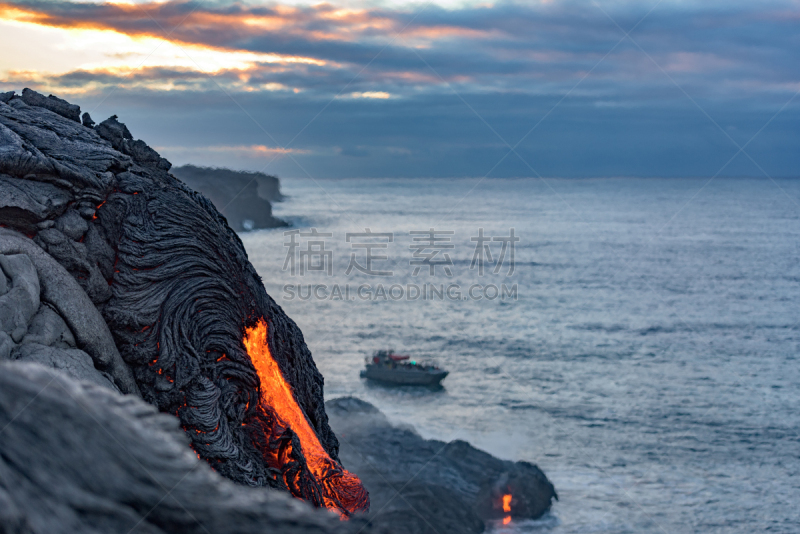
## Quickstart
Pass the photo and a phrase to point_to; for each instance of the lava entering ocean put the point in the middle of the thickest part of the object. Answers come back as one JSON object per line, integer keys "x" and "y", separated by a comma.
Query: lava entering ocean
{"x": 507, "y": 508}
{"x": 336, "y": 488}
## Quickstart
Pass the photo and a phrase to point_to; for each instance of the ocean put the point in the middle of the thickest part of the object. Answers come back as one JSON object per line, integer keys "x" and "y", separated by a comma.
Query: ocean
{"x": 637, "y": 338}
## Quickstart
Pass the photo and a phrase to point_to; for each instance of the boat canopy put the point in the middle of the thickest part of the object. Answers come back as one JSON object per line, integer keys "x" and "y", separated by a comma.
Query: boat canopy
{"x": 398, "y": 357}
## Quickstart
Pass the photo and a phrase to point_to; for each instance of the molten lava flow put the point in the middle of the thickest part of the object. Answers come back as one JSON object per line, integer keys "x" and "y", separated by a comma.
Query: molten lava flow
{"x": 507, "y": 508}
{"x": 341, "y": 491}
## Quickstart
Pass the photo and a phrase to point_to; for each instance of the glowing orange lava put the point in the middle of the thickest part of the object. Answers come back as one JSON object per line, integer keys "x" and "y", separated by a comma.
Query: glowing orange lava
{"x": 341, "y": 491}
{"x": 507, "y": 508}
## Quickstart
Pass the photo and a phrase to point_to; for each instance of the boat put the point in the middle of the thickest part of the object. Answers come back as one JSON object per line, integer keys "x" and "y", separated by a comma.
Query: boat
{"x": 386, "y": 366}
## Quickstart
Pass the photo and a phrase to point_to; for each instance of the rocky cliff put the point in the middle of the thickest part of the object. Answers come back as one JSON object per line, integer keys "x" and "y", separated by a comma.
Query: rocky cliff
{"x": 243, "y": 197}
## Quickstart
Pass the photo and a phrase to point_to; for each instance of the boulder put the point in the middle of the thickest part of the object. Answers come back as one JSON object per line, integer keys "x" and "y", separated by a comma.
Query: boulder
{"x": 428, "y": 486}
{"x": 73, "y": 255}
{"x": 20, "y": 302}
{"x": 114, "y": 132}
{"x": 72, "y": 225}
{"x": 73, "y": 362}
{"x": 24, "y": 203}
{"x": 48, "y": 328}
{"x": 33, "y": 331}
{"x": 52, "y": 103}
{"x": 61, "y": 291}
{"x": 87, "y": 121}
{"x": 38, "y": 145}
{"x": 18, "y": 158}
{"x": 121, "y": 139}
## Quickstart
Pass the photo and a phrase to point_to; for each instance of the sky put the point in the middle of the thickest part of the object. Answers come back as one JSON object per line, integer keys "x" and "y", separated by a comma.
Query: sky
{"x": 437, "y": 89}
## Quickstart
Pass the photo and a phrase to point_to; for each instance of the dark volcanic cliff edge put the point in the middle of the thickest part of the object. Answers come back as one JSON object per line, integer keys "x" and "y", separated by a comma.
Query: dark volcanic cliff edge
{"x": 243, "y": 197}
{"x": 421, "y": 486}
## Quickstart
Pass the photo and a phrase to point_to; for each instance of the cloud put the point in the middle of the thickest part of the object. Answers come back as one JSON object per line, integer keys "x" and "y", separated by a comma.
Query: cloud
{"x": 254, "y": 156}
{"x": 239, "y": 150}
{"x": 504, "y": 47}
{"x": 380, "y": 95}
{"x": 422, "y": 89}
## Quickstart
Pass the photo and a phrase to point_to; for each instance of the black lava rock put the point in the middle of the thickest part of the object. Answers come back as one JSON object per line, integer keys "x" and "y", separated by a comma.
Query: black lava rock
{"x": 87, "y": 121}
{"x": 78, "y": 458}
{"x": 53, "y": 103}
{"x": 428, "y": 486}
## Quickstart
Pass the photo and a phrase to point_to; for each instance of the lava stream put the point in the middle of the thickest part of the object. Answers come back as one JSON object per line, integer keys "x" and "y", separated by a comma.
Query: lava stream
{"x": 341, "y": 491}
{"x": 507, "y": 508}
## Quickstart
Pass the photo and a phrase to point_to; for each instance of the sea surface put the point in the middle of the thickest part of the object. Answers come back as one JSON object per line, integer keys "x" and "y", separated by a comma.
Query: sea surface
{"x": 648, "y": 364}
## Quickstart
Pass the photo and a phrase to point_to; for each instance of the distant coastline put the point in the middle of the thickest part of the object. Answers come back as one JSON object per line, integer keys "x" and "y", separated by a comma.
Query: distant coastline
{"x": 244, "y": 198}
